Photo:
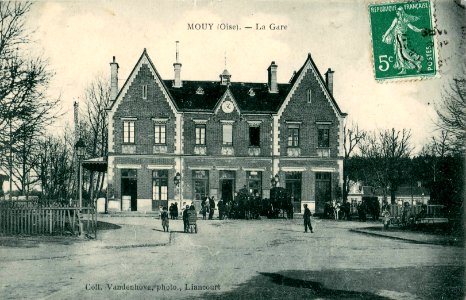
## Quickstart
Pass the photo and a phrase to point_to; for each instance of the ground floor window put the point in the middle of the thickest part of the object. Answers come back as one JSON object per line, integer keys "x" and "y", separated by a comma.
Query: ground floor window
{"x": 254, "y": 182}
{"x": 159, "y": 188}
{"x": 200, "y": 184}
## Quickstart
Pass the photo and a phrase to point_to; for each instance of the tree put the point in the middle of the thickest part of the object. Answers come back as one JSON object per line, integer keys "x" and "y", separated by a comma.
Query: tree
{"x": 94, "y": 129}
{"x": 25, "y": 110}
{"x": 452, "y": 114}
{"x": 442, "y": 171}
{"x": 55, "y": 168}
{"x": 388, "y": 158}
{"x": 352, "y": 137}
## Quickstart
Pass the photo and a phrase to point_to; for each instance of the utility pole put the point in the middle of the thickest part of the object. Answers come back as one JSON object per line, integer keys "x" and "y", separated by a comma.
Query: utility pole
{"x": 77, "y": 135}
{"x": 10, "y": 161}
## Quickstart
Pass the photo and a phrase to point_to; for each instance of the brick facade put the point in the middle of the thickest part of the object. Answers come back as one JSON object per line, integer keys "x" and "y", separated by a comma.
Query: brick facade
{"x": 175, "y": 108}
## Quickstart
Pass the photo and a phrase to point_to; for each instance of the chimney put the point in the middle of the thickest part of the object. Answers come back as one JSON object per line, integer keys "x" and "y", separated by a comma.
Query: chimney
{"x": 272, "y": 80}
{"x": 113, "y": 80}
{"x": 177, "y": 66}
{"x": 329, "y": 80}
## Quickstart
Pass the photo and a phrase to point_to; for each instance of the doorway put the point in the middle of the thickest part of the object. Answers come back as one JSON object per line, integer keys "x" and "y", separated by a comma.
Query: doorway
{"x": 227, "y": 189}
{"x": 159, "y": 189}
{"x": 227, "y": 185}
{"x": 293, "y": 183}
{"x": 129, "y": 186}
{"x": 323, "y": 191}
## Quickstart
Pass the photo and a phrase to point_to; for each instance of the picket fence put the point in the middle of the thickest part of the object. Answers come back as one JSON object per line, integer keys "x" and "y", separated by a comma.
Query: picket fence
{"x": 39, "y": 220}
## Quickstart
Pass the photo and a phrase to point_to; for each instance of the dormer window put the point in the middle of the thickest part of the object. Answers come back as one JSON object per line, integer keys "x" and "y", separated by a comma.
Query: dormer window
{"x": 251, "y": 93}
{"x": 200, "y": 91}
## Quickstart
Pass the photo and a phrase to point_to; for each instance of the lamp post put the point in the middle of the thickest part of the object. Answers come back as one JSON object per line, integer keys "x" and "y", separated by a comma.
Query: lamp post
{"x": 177, "y": 181}
{"x": 80, "y": 151}
{"x": 275, "y": 180}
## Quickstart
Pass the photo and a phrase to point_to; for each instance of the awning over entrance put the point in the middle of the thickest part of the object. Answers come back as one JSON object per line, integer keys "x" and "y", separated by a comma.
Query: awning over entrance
{"x": 98, "y": 164}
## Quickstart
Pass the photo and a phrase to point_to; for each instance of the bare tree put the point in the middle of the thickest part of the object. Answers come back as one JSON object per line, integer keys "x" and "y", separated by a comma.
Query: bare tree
{"x": 95, "y": 129}
{"x": 25, "y": 110}
{"x": 388, "y": 153}
{"x": 452, "y": 114}
{"x": 352, "y": 137}
{"x": 55, "y": 167}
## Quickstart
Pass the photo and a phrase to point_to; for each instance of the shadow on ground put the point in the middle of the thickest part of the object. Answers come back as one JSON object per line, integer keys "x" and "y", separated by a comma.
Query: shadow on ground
{"x": 440, "y": 282}
{"x": 35, "y": 241}
{"x": 32, "y": 241}
{"x": 447, "y": 238}
{"x": 107, "y": 226}
{"x": 170, "y": 231}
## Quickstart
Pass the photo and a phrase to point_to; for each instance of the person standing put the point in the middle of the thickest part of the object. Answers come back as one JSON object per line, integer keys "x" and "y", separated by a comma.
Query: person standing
{"x": 204, "y": 208}
{"x": 211, "y": 207}
{"x": 170, "y": 209}
{"x": 307, "y": 219}
{"x": 175, "y": 211}
{"x": 220, "y": 209}
{"x": 165, "y": 219}
{"x": 185, "y": 218}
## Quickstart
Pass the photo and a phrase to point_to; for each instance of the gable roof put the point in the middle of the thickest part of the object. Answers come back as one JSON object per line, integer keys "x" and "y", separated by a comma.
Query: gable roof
{"x": 309, "y": 65}
{"x": 322, "y": 81}
{"x": 262, "y": 101}
{"x": 228, "y": 95}
{"x": 144, "y": 58}
{"x": 187, "y": 98}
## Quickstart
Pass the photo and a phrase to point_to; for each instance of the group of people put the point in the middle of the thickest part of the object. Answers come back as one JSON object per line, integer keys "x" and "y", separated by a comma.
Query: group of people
{"x": 208, "y": 207}
{"x": 408, "y": 217}
{"x": 165, "y": 216}
{"x": 173, "y": 211}
{"x": 337, "y": 210}
{"x": 190, "y": 209}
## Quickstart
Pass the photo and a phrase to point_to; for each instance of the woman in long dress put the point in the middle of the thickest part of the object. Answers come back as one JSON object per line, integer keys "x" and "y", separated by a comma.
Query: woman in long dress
{"x": 405, "y": 58}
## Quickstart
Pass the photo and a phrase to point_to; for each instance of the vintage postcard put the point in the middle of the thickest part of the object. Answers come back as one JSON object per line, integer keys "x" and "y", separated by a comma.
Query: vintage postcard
{"x": 207, "y": 149}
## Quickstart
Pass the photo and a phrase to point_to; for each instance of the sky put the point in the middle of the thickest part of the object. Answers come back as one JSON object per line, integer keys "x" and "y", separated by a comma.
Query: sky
{"x": 79, "y": 39}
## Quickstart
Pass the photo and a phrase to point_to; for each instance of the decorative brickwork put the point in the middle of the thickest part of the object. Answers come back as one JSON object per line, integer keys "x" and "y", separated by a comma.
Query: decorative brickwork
{"x": 259, "y": 138}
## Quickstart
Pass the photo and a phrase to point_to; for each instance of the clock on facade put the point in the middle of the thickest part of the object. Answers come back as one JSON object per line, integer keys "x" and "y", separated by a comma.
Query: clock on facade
{"x": 227, "y": 107}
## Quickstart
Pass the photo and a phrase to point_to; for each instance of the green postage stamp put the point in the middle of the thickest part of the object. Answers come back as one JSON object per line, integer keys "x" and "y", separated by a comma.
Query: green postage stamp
{"x": 403, "y": 40}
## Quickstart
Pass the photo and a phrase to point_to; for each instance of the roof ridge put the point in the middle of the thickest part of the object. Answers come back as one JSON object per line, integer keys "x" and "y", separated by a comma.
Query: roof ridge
{"x": 232, "y": 82}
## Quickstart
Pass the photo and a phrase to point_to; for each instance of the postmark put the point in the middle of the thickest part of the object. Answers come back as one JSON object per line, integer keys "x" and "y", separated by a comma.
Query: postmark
{"x": 403, "y": 40}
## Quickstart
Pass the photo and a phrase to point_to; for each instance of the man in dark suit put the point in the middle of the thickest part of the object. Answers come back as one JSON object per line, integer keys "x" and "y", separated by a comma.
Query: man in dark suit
{"x": 212, "y": 207}
{"x": 185, "y": 218}
{"x": 307, "y": 219}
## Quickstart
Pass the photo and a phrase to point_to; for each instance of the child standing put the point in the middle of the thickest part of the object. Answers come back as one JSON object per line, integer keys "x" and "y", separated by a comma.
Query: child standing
{"x": 165, "y": 219}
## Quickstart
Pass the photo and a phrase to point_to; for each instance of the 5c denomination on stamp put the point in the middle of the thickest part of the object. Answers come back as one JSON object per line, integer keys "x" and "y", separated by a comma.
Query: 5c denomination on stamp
{"x": 403, "y": 40}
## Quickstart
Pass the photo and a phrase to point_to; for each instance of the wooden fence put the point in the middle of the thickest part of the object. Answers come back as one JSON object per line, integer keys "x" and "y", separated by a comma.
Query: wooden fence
{"x": 432, "y": 211}
{"x": 40, "y": 220}
{"x": 37, "y": 203}
{"x": 404, "y": 216}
